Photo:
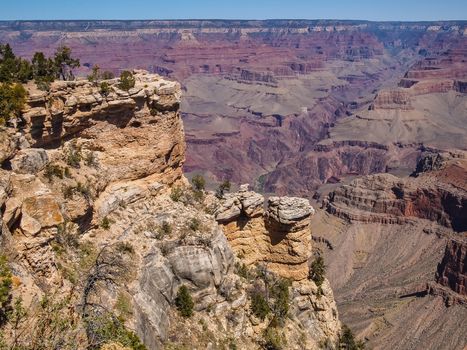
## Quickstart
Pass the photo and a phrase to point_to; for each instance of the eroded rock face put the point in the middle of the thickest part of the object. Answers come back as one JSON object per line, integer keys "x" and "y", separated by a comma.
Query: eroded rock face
{"x": 392, "y": 99}
{"x": 452, "y": 270}
{"x": 203, "y": 269}
{"x": 279, "y": 235}
{"x": 439, "y": 195}
{"x": 82, "y": 153}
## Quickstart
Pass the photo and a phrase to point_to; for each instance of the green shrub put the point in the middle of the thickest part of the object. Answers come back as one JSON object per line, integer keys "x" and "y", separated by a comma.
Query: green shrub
{"x": 52, "y": 170}
{"x": 105, "y": 224}
{"x": 184, "y": 302}
{"x": 12, "y": 68}
{"x": 64, "y": 63}
{"x": 127, "y": 80}
{"x": 259, "y": 305}
{"x": 274, "y": 339}
{"x": 123, "y": 305}
{"x": 164, "y": 230}
{"x": 90, "y": 159}
{"x": 104, "y": 88}
{"x": 317, "y": 271}
{"x": 198, "y": 196}
{"x": 194, "y": 224}
{"x": 12, "y": 100}
{"x": 68, "y": 192}
{"x": 107, "y": 328}
{"x": 198, "y": 182}
{"x": 279, "y": 291}
{"x": 347, "y": 340}
{"x": 73, "y": 157}
{"x": 242, "y": 270}
{"x": 95, "y": 75}
{"x": 5, "y": 287}
{"x": 176, "y": 194}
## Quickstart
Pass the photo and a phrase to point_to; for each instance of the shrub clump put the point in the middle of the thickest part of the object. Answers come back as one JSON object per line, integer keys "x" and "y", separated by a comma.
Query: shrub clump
{"x": 259, "y": 306}
{"x": 105, "y": 224}
{"x": 347, "y": 340}
{"x": 199, "y": 182}
{"x": 184, "y": 302}
{"x": 274, "y": 339}
{"x": 5, "y": 288}
{"x": 317, "y": 271}
{"x": 176, "y": 194}
{"x": 12, "y": 100}
{"x": 127, "y": 80}
{"x": 194, "y": 224}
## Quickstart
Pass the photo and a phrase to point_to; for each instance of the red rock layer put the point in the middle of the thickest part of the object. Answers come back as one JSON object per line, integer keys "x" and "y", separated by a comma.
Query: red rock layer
{"x": 439, "y": 196}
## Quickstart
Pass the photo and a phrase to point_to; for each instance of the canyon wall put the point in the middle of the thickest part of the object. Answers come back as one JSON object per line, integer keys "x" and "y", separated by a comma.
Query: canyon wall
{"x": 262, "y": 96}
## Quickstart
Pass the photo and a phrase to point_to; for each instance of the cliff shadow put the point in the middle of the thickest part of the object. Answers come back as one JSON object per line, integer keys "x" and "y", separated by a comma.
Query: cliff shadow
{"x": 277, "y": 232}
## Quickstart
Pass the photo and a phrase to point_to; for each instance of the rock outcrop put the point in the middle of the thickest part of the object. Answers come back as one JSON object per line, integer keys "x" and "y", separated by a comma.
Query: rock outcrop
{"x": 91, "y": 169}
{"x": 392, "y": 99}
{"x": 439, "y": 195}
{"x": 279, "y": 235}
{"x": 452, "y": 270}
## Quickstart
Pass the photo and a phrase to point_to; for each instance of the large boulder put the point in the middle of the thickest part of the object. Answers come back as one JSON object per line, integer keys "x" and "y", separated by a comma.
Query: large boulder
{"x": 40, "y": 212}
{"x": 29, "y": 161}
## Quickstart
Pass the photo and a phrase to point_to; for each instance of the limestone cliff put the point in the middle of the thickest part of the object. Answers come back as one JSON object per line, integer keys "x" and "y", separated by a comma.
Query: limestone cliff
{"x": 91, "y": 173}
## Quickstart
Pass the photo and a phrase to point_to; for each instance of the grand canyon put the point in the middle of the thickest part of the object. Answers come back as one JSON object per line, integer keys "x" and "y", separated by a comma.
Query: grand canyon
{"x": 355, "y": 131}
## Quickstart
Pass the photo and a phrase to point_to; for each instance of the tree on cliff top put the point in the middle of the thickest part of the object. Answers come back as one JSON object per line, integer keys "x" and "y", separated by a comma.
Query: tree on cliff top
{"x": 65, "y": 63}
{"x": 13, "y": 69}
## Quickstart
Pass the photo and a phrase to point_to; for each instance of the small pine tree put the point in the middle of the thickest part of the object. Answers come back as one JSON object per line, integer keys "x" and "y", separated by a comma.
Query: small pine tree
{"x": 259, "y": 305}
{"x": 184, "y": 302}
{"x": 198, "y": 182}
{"x": 317, "y": 271}
{"x": 347, "y": 340}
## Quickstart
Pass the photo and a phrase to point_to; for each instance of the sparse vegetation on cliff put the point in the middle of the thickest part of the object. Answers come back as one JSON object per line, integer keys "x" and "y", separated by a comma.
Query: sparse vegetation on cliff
{"x": 184, "y": 302}
{"x": 198, "y": 182}
{"x": 347, "y": 340}
{"x": 317, "y": 271}
{"x": 5, "y": 288}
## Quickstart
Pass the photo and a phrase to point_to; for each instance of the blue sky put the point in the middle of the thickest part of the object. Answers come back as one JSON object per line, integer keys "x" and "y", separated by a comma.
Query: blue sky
{"x": 385, "y": 10}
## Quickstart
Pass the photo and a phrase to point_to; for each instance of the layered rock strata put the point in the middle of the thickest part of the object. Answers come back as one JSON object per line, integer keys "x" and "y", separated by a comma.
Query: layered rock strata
{"x": 452, "y": 270}
{"x": 278, "y": 235}
{"x": 439, "y": 195}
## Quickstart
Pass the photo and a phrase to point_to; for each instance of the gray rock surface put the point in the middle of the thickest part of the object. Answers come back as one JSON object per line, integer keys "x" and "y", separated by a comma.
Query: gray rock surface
{"x": 29, "y": 161}
{"x": 202, "y": 268}
{"x": 247, "y": 202}
{"x": 287, "y": 210}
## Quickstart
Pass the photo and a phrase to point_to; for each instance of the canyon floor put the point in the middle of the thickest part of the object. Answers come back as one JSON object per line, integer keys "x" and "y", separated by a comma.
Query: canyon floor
{"x": 347, "y": 114}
